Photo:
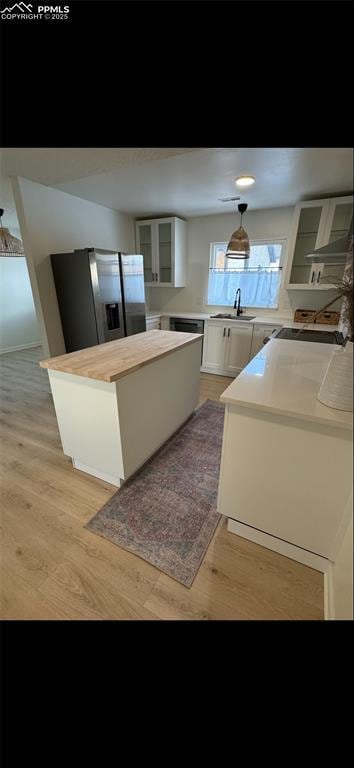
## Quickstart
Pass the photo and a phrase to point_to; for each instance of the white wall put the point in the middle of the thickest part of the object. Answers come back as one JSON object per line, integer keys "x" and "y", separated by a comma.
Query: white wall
{"x": 203, "y": 230}
{"x": 18, "y": 322}
{"x": 51, "y": 221}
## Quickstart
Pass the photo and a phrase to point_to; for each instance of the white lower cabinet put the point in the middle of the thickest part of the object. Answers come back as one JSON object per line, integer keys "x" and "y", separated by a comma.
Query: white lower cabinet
{"x": 153, "y": 323}
{"x": 227, "y": 347}
{"x": 238, "y": 348}
{"x": 214, "y": 348}
{"x": 165, "y": 323}
{"x": 260, "y": 333}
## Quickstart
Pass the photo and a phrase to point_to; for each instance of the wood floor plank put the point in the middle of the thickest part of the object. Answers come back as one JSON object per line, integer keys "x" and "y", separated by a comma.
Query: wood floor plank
{"x": 46, "y": 537}
{"x": 240, "y": 586}
{"x": 79, "y": 591}
{"x": 20, "y": 601}
{"x": 53, "y": 568}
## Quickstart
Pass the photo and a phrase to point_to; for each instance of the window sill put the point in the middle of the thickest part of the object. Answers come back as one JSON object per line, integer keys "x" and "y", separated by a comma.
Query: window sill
{"x": 245, "y": 308}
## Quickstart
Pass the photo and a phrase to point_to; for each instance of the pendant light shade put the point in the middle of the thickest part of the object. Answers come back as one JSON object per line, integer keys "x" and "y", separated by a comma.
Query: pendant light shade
{"x": 239, "y": 244}
{"x": 9, "y": 245}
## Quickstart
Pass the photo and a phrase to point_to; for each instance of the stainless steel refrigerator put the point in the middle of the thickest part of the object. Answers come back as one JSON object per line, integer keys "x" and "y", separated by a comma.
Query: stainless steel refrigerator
{"x": 101, "y": 296}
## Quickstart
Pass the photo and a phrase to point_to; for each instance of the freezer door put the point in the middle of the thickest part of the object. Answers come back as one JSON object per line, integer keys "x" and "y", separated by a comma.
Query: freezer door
{"x": 74, "y": 292}
{"x": 107, "y": 292}
{"x": 133, "y": 293}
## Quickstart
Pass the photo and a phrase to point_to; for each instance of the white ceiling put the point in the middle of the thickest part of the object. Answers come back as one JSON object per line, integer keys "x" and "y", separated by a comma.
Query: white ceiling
{"x": 53, "y": 166}
{"x": 186, "y": 182}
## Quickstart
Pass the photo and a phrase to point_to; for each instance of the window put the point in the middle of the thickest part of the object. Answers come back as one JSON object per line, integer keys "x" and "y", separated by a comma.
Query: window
{"x": 258, "y": 277}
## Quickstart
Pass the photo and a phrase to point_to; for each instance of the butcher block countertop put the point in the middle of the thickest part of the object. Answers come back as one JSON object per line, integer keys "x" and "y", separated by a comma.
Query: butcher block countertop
{"x": 114, "y": 359}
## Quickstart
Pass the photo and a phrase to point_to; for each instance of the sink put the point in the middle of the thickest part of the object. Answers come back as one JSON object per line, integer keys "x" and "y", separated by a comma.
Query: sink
{"x": 233, "y": 317}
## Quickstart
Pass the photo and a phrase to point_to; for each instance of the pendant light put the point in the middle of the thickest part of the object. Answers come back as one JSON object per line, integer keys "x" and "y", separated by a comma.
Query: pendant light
{"x": 239, "y": 244}
{"x": 9, "y": 245}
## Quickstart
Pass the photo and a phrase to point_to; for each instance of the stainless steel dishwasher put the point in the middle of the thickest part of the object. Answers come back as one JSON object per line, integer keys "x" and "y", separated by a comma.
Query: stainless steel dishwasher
{"x": 188, "y": 325}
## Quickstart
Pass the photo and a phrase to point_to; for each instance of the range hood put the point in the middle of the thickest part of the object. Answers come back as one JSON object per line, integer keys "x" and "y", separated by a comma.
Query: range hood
{"x": 333, "y": 253}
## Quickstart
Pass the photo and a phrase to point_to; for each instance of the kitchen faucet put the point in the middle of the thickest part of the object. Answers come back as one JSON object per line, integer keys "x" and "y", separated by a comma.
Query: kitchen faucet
{"x": 237, "y": 303}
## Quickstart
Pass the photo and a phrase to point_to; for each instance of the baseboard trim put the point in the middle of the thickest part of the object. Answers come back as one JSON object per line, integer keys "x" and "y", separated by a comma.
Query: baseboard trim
{"x": 278, "y": 545}
{"x": 218, "y": 372}
{"x": 21, "y": 346}
{"x": 328, "y": 595}
{"x": 97, "y": 473}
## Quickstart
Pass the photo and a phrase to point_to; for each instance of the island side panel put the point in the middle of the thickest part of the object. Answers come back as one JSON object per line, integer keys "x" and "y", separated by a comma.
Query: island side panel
{"x": 155, "y": 401}
{"x": 285, "y": 478}
{"x": 87, "y": 416}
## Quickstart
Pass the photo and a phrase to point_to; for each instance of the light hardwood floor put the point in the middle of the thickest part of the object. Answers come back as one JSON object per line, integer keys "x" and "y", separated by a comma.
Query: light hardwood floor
{"x": 52, "y": 568}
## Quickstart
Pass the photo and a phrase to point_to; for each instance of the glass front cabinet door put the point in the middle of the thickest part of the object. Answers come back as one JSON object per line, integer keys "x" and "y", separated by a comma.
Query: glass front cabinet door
{"x": 308, "y": 233}
{"x": 317, "y": 223}
{"x": 340, "y": 218}
{"x": 165, "y": 252}
{"x": 339, "y": 224}
{"x": 146, "y": 249}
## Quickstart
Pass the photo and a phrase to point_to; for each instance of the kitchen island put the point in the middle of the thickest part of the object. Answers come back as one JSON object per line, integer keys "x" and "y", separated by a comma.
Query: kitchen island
{"x": 117, "y": 403}
{"x": 286, "y": 470}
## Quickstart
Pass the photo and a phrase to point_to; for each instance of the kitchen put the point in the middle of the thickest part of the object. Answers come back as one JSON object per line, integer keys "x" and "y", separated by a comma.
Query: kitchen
{"x": 177, "y": 281}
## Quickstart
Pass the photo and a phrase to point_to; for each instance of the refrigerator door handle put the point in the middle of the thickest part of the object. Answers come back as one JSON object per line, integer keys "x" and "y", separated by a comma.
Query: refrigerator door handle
{"x": 96, "y": 297}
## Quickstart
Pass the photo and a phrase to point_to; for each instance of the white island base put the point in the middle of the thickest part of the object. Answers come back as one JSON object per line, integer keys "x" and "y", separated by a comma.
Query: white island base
{"x": 286, "y": 470}
{"x": 110, "y": 429}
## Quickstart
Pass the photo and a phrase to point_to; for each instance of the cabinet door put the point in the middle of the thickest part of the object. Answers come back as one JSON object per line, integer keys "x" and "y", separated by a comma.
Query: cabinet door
{"x": 328, "y": 271}
{"x": 152, "y": 324}
{"x": 260, "y": 333}
{"x": 339, "y": 224}
{"x": 214, "y": 348}
{"x": 239, "y": 340}
{"x": 321, "y": 274}
{"x": 309, "y": 227}
{"x": 165, "y": 323}
{"x": 165, "y": 252}
{"x": 145, "y": 243}
{"x": 339, "y": 219}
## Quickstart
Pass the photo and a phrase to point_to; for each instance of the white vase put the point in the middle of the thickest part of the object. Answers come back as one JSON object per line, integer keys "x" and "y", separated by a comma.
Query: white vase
{"x": 336, "y": 389}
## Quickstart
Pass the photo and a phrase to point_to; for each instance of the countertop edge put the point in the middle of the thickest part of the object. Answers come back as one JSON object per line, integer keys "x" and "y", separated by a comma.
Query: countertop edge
{"x": 289, "y": 414}
{"x": 111, "y": 378}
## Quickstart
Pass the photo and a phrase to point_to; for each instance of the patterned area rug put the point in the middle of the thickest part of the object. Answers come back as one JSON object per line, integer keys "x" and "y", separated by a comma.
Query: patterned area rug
{"x": 166, "y": 513}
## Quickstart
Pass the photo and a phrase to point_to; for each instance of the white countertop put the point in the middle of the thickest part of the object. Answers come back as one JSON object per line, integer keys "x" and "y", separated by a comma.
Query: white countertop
{"x": 284, "y": 378}
{"x": 275, "y": 320}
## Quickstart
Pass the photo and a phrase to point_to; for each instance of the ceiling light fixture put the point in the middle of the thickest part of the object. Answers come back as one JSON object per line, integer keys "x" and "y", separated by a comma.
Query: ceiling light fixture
{"x": 245, "y": 181}
{"x": 9, "y": 245}
{"x": 239, "y": 244}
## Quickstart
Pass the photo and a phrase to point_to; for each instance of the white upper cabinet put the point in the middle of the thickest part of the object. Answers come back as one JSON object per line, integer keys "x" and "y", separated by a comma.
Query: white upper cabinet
{"x": 316, "y": 223}
{"x": 162, "y": 242}
{"x": 339, "y": 219}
